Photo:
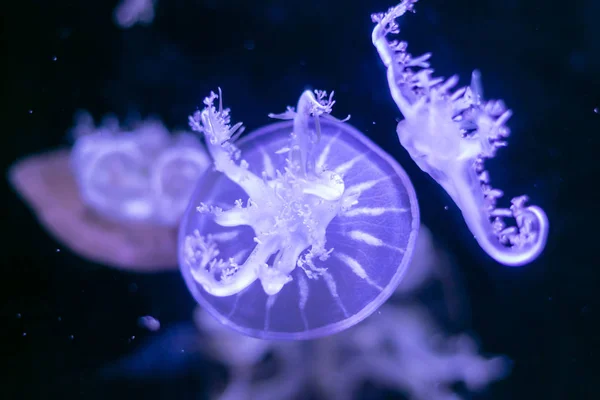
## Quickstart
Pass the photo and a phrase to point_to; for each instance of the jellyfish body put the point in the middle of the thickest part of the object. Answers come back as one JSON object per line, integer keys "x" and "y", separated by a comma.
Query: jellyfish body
{"x": 140, "y": 176}
{"x": 449, "y": 134}
{"x": 288, "y": 238}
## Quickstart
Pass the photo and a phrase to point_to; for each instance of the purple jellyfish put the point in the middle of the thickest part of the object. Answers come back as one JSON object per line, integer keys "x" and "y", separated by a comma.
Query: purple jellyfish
{"x": 118, "y": 196}
{"x": 139, "y": 176}
{"x": 449, "y": 135}
{"x": 307, "y": 201}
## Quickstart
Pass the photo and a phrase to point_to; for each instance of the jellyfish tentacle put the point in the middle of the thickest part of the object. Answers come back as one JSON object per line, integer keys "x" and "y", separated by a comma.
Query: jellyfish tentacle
{"x": 220, "y": 136}
{"x": 449, "y": 134}
{"x": 318, "y": 104}
{"x": 303, "y": 142}
{"x": 511, "y": 246}
{"x": 224, "y": 277}
{"x": 388, "y": 51}
{"x": 274, "y": 278}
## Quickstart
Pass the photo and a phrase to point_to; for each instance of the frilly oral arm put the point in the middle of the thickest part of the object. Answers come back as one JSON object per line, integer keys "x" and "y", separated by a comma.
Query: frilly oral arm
{"x": 311, "y": 105}
{"x": 220, "y": 139}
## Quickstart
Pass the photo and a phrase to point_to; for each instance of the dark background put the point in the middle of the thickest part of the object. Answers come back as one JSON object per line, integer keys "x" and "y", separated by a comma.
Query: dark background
{"x": 541, "y": 57}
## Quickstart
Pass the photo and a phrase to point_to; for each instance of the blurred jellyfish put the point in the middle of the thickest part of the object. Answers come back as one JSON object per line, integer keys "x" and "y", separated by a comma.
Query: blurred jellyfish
{"x": 244, "y": 357}
{"x": 118, "y": 196}
{"x": 401, "y": 348}
{"x": 130, "y": 12}
{"x": 143, "y": 175}
{"x": 449, "y": 135}
{"x": 306, "y": 201}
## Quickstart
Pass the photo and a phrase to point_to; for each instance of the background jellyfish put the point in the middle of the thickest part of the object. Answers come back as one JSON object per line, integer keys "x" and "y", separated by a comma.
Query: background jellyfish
{"x": 139, "y": 176}
{"x": 449, "y": 135}
{"x": 117, "y": 196}
{"x": 289, "y": 237}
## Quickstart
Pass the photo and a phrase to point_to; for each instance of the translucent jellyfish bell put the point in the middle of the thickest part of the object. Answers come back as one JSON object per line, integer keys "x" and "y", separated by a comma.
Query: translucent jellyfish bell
{"x": 289, "y": 237}
{"x": 140, "y": 176}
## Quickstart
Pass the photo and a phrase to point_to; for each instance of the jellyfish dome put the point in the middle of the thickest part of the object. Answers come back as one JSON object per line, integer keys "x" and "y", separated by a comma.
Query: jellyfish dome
{"x": 289, "y": 237}
{"x": 143, "y": 175}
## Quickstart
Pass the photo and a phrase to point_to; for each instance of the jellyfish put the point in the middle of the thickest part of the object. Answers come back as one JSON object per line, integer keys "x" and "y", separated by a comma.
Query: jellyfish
{"x": 117, "y": 197}
{"x": 143, "y": 175}
{"x": 288, "y": 237}
{"x": 449, "y": 134}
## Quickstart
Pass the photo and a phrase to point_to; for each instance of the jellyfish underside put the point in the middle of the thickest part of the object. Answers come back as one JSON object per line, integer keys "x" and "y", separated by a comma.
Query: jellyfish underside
{"x": 449, "y": 134}
{"x": 293, "y": 241}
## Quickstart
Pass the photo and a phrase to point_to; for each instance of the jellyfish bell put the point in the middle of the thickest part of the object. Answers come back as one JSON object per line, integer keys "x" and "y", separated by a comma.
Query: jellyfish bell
{"x": 289, "y": 236}
{"x": 138, "y": 176}
{"x": 449, "y": 134}
{"x": 117, "y": 197}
